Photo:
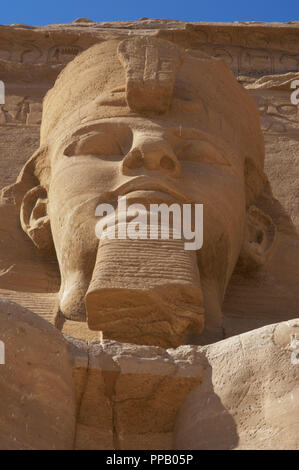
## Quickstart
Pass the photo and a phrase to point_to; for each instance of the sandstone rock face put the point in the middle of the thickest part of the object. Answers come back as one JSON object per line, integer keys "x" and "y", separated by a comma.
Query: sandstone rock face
{"x": 37, "y": 409}
{"x": 147, "y": 121}
{"x": 63, "y": 393}
{"x": 250, "y": 388}
{"x": 32, "y": 57}
{"x": 128, "y": 396}
{"x": 142, "y": 123}
{"x": 231, "y": 381}
{"x": 244, "y": 393}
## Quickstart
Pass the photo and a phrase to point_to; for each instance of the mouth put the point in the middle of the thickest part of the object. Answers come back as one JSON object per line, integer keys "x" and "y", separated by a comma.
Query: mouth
{"x": 147, "y": 197}
{"x": 150, "y": 190}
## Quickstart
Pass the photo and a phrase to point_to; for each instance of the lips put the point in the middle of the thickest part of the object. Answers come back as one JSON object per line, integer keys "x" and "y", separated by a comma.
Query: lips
{"x": 147, "y": 197}
{"x": 153, "y": 187}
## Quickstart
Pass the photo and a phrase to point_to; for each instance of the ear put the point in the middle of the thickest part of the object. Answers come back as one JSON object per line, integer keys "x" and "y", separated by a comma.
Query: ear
{"x": 35, "y": 220}
{"x": 259, "y": 239}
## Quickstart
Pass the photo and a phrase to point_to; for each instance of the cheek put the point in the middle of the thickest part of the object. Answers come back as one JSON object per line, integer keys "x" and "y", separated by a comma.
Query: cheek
{"x": 222, "y": 194}
{"x": 76, "y": 181}
{"x": 221, "y": 190}
{"x": 75, "y": 189}
{"x": 224, "y": 211}
{"x": 73, "y": 177}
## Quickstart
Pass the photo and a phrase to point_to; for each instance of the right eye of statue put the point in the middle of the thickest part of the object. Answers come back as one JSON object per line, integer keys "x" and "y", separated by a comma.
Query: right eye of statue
{"x": 101, "y": 145}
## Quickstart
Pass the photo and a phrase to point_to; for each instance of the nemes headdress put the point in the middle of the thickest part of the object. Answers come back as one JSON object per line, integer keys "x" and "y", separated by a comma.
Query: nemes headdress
{"x": 156, "y": 79}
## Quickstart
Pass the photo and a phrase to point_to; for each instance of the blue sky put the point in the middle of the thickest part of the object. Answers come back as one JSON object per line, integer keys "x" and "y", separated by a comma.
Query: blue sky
{"x": 40, "y": 12}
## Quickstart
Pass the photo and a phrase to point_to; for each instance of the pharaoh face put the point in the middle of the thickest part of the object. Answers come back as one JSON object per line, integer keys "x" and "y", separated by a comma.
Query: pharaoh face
{"x": 147, "y": 161}
{"x": 182, "y": 148}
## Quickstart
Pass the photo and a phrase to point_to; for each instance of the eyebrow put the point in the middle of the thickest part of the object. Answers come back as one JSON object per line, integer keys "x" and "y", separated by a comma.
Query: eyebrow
{"x": 192, "y": 133}
{"x": 92, "y": 128}
{"x": 178, "y": 131}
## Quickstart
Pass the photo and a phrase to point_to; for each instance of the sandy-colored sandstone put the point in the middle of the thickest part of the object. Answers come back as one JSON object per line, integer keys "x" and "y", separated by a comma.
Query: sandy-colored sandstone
{"x": 123, "y": 344}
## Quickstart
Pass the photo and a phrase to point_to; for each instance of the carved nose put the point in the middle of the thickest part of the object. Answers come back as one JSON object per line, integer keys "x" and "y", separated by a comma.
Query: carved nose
{"x": 153, "y": 156}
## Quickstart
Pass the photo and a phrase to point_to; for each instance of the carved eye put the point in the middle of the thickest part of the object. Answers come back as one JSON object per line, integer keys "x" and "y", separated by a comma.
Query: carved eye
{"x": 287, "y": 109}
{"x": 94, "y": 144}
{"x": 201, "y": 151}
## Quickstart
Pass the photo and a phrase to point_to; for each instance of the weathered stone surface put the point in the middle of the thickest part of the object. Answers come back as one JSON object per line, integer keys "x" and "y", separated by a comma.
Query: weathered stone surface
{"x": 98, "y": 145}
{"x": 37, "y": 406}
{"x": 29, "y": 65}
{"x": 250, "y": 389}
{"x": 128, "y": 396}
{"x": 239, "y": 393}
{"x": 245, "y": 388}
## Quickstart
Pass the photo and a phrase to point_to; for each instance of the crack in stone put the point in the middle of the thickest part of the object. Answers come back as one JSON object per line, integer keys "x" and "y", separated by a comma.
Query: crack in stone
{"x": 110, "y": 379}
{"x": 84, "y": 388}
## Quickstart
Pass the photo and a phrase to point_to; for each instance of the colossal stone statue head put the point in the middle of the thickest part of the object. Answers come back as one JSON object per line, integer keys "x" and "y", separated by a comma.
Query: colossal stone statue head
{"x": 149, "y": 120}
